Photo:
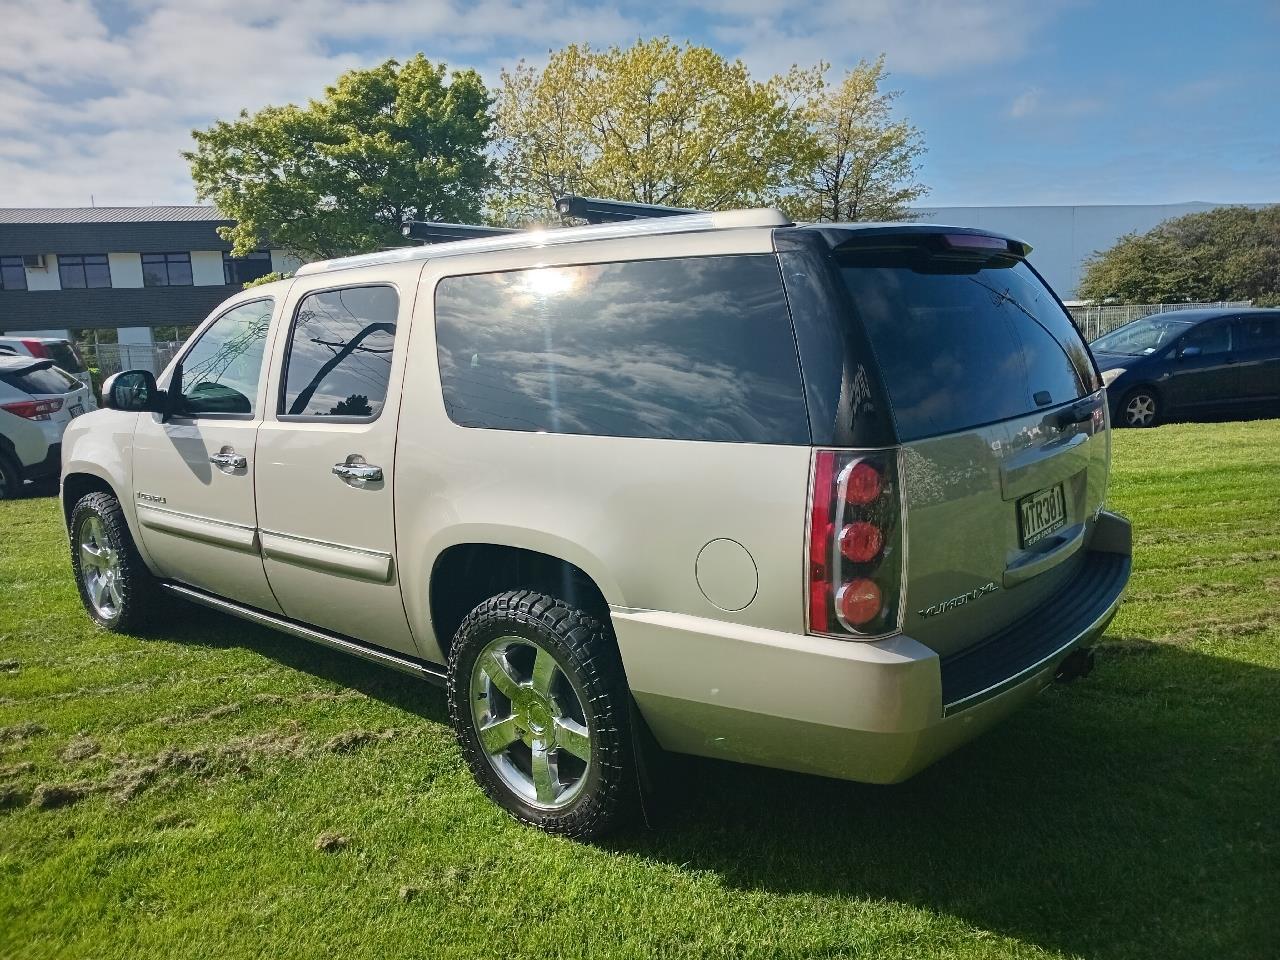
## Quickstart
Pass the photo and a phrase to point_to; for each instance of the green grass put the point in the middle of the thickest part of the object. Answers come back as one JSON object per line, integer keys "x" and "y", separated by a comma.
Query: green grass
{"x": 1131, "y": 815}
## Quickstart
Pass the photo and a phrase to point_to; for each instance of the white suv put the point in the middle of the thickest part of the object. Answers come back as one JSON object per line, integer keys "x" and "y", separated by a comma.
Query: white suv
{"x": 825, "y": 498}
{"x": 37, "y": 401}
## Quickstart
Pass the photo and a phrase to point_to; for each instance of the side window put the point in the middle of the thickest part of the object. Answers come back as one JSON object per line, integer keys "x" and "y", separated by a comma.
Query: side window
{"x": 1212, "y": 339}
{"x": 220, "y": 372}
{"x": 681, "y": 349}
{"x": 339, "y": 357}
{"x": 1260, "y": 333}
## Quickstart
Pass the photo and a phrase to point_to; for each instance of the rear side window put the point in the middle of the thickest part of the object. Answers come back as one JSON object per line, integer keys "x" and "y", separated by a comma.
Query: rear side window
{"x": 682, "y": 349}
{"x": 1260, "y": 333}
{"x": 961, "y": 344}
{"x": 44, "y": 379}
{"x": 339, "y": 358}
{"x": 62, "y": 353}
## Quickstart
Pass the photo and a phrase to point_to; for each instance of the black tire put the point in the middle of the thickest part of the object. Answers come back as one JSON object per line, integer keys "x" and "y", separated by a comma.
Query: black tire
{"x": 137, "y": 589}
{"x": 10, "y": 478}
{"x": 586, "y": 655}
{"x": 1140, "y": 407}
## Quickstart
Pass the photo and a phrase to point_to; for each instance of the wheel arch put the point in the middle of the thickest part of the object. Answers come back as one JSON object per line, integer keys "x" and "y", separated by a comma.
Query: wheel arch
{"x": 80, "y": 484}
{"x": 466, "y": 574}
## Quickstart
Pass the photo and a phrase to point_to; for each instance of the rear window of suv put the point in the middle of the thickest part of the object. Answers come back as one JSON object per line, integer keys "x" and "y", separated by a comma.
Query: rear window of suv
{"x": 962, "y": 343}
{"x": 679, "y": 349}
{"x": 42, "y": 379}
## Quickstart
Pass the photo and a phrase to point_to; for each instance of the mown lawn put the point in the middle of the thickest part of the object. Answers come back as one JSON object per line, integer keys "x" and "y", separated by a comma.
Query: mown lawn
{"x": 170, "y": 796}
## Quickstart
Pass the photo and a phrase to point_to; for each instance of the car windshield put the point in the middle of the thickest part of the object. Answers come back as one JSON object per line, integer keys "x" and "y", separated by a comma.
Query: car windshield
{"x": 1141, "y": 337}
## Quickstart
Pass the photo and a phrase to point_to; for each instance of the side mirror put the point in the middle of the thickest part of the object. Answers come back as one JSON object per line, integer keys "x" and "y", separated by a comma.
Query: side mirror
{"x": 133, "y": 391}
{"x": 1188, "y": 352}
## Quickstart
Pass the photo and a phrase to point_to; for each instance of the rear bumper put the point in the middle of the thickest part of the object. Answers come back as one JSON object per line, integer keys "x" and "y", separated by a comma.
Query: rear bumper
{"x": 877, "y": 712}
{"x": 50, "y": 466}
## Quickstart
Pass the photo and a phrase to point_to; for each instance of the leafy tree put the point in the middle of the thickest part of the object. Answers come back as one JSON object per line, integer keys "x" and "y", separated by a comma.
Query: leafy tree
{"x": 1230, "y": 253}
{"x": 653, "y": 123}
{"x": 868, "y": 162}
{"x": 271, "y": 277}
{"x": 343, "y": 173}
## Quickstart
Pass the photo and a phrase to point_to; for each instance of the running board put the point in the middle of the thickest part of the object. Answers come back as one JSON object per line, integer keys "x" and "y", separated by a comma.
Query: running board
{"x": 419, "y": 668}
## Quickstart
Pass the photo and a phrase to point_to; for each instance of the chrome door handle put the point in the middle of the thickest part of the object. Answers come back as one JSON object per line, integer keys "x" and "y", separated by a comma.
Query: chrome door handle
{"x": 356, "y": 469}
{"x": 228, "y": 459}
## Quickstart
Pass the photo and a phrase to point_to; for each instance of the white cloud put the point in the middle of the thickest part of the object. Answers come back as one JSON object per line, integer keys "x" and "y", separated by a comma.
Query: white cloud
{"x": 100, "y": 97}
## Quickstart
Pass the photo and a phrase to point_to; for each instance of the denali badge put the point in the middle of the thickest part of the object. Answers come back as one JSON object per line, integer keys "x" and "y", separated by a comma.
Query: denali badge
{"x": 150, "y": 499}
{"x": 959, "y": 601}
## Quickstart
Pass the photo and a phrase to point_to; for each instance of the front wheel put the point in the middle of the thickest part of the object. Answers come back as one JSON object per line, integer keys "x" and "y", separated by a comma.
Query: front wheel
{"x": 116, "y": 588}
{"x": 1140, "y": 408}
{"x": 540, "y": 708}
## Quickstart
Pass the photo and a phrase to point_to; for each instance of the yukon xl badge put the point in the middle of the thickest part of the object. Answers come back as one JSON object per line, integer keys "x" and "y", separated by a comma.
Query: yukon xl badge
{"x": 959, "y": 601}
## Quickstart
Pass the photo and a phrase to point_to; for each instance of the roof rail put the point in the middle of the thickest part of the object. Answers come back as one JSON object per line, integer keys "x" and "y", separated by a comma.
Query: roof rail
{"x": 684, "y": 223}
{"x": 431, "y": 231}
{"x": 594, "y": 210}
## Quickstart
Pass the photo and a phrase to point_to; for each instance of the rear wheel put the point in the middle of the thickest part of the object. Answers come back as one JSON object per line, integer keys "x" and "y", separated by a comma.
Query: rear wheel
{"x": 116, "y": 588}
{"x": 540, "y": 708}
{"x": 10, "y": 478}
{"x": 1140, "y": 408}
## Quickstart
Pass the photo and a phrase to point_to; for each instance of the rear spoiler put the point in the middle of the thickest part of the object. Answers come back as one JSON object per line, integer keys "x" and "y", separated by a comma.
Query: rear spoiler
{"x": 905, "y": 236}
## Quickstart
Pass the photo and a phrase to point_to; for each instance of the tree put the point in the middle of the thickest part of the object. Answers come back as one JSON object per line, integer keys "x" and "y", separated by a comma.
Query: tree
{"x": 1230, "y": 253}
{"x": 342, "y": 174}
{"x": 868, "y": 162}
{"x": 652, "y": 123}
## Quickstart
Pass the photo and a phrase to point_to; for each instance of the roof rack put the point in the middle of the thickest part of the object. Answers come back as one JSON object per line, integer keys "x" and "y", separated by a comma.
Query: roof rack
{"x": 430, "y": 231}
{"x": 636, "y": 227}
{"x": 594, "y": 210}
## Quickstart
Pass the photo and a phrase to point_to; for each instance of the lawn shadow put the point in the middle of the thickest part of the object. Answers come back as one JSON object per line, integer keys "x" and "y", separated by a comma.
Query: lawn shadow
{"x": 209, "y": 628}
{"x": 1132, "y": 814}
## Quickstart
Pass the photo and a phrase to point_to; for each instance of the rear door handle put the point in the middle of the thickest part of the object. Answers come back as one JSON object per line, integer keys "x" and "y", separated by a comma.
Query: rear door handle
{"x": 228, "y": 459}
{"x": 355, "y": 470}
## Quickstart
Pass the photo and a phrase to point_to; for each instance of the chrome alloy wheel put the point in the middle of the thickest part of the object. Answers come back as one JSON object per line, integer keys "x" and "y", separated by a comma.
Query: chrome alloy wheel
{"x": 99, "y": 568}
{"x": 530, "y": 722}
{"x": 1140, "y": 410}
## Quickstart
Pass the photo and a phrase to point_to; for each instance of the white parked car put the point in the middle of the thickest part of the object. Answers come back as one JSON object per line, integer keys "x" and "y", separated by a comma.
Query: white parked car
{"x": 826, "y": 498}
{"x": 62, "y": 352}
{"x": 37, "y": 401}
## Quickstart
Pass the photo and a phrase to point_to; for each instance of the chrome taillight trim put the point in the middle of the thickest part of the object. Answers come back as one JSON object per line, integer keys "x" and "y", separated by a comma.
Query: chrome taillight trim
{"x": 836, "y": 559}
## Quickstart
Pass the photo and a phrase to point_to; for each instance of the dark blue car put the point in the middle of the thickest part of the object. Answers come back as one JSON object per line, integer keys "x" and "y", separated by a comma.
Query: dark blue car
{"x": 1189, "y": 363}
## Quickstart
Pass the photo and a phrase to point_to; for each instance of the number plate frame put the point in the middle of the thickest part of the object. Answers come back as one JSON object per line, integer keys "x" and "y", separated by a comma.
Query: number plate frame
{"x": 1036, "y": 516}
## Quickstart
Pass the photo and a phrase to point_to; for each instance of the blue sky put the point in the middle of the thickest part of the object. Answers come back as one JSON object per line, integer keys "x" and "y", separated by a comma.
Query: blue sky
{"x": 1038, "y": 101}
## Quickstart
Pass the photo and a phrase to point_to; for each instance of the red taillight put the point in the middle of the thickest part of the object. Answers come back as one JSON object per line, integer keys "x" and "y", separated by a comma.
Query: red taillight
{"x": 859, "y": 601}
{"x": 861, "y": 541}
{"x": 33, "y": 409}
{"x": 855, "y": 544}
{"x": 36, "y": 348}
{"x": 863, "y": 484}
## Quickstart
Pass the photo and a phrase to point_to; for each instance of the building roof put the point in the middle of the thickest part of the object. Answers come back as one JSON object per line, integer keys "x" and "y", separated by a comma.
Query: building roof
{"x": 157, "y": 214}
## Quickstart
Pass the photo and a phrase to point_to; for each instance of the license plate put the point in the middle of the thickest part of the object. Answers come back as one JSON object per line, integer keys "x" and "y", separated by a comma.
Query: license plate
{"x": 75, "y": 410}
{"x": 1042, "y": 513}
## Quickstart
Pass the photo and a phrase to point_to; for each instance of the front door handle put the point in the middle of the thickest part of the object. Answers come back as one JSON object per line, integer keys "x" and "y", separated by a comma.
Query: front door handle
{"x": 356, "y": 470}
{"x": 228, "y": 459}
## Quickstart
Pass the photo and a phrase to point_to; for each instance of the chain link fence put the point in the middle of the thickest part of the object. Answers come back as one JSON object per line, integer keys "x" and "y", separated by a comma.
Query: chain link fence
{"x": 1095, "y": 320}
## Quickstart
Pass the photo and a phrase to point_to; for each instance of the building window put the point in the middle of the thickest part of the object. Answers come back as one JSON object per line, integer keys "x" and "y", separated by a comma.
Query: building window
{"x": 239, "y": 270}
{"x": 13, "y": 276}
{"x": 166, "y": 269}
{"x": 77, "y": 271}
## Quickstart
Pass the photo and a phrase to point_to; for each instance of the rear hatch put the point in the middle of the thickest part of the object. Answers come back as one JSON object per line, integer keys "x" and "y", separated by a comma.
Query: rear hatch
{"x": 998, "y": 408}
{"x": 56, "y": 396}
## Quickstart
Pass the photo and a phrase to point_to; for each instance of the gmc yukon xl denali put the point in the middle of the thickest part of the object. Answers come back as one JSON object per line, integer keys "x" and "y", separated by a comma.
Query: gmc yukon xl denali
{"x": 828, "y": 498}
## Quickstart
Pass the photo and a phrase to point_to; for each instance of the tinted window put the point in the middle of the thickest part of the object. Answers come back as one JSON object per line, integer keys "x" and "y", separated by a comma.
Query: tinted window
{"x": 83, "y": 270}
{"x": 1211, "y": 339}
{"x": 42, "y": 380}
{"x": 64, "y": 355}
{"x": 1260, "y": 333}
{"x": 249, "y": 267}
{"x": 166, "y": 269}
{"x": 13, "y": 275}
{"x": 220, "y": 373}
{"x": 964, "y": 343}
{"x": 339, "y": 356}
{"x": 691, "y": 349}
